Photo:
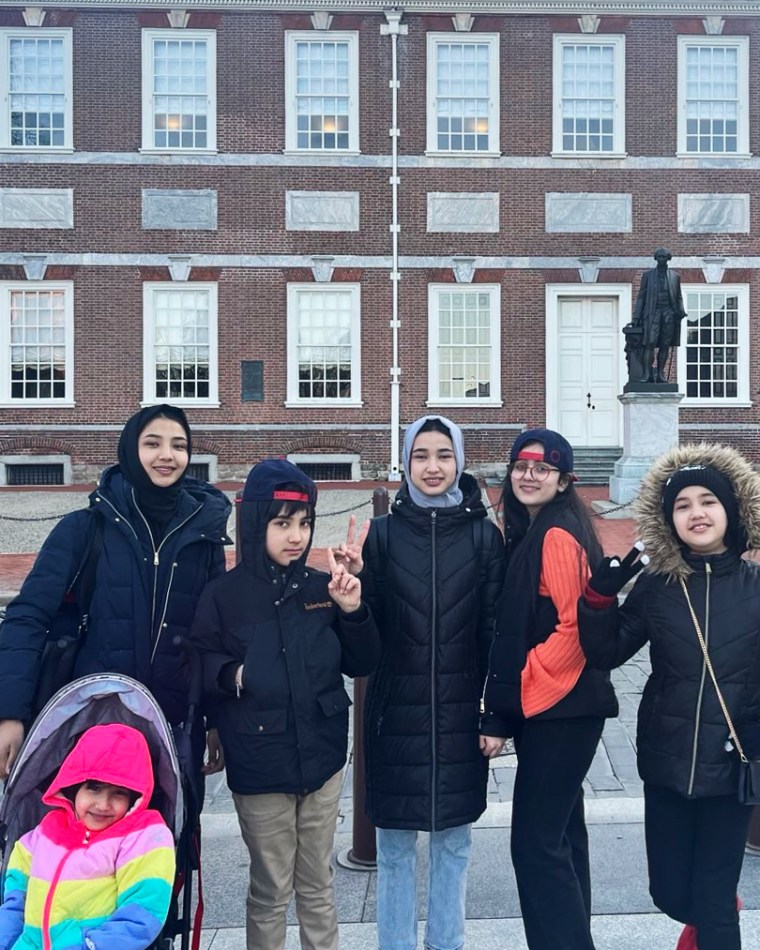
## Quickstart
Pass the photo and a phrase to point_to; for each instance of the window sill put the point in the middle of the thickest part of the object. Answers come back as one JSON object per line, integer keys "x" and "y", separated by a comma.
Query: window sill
{"x": 318, "y": 152}
{"x": 580, "y": 156}
{"x": 192, "y": 403}
{"x": 178, "y": 151}
{"x": 430, "y": 153}
{"x": 440, "y": 403}
{"x": 716, "y": 156}
{"x": 323, "y": 403}
{"x": 716, "y": 404}
{"x": 37, "y": 404}
{"x": 37, "y": 149}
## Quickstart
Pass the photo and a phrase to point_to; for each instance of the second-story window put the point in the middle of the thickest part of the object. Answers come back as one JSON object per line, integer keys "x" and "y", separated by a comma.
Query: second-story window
{"x": 179, "y": 90}
{"x": 463, "y": 93}
{"x": 35, "y": 73}
{"x": 322, "y": 92}
{"x": 713, "y": 95}
{"x": 589, "y": 95}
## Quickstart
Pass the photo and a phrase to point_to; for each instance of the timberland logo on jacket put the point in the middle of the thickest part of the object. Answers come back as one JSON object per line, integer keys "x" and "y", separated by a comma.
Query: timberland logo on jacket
{"x": 320, "y": 606}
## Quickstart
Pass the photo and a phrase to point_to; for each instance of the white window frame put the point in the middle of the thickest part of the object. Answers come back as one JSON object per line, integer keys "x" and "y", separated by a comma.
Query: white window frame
{"x": 492, "y": 41}
{"x": 561, "y": 42}
{"x": 742, "y": 398}
{"x": 36, "y": 33}
{"x": 434, "y": 292}
{"x": 292, "y": 38}
{"x": 292, "y": 398}
{"x": 7, "y": 287}
{"x": 149, "y": 36}
{"x": 149, "y": 369}
{"x": 741, "y": 43}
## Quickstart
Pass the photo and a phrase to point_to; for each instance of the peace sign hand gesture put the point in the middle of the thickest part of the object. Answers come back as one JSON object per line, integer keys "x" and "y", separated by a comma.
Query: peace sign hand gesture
{"x": 344, "y": 589}
{"x": 350, "y": 552}
{"x": 614, "y": 573}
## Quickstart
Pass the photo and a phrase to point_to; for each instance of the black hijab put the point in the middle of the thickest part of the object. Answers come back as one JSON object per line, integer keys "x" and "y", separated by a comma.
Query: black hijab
{"x": 158, "y": 504}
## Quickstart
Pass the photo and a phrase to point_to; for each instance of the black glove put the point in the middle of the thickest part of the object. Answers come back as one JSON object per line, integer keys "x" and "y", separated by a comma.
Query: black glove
{"x": 613, "y": 574}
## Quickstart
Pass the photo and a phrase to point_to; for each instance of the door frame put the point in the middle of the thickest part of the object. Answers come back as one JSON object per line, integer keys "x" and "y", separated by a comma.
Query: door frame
{"x": 624, "y": 295}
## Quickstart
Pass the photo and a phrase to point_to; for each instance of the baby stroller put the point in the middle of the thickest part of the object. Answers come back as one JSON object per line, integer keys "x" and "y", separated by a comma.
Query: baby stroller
{"x": 94, "y": 700}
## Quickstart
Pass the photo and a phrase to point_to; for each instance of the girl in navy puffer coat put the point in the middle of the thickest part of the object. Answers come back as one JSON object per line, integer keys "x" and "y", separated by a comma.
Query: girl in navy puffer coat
{"x": 161, "y": 540}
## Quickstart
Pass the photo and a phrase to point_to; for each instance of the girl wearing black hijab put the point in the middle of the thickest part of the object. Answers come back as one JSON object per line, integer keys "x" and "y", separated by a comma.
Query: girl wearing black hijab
{"x": 159, "y": 540}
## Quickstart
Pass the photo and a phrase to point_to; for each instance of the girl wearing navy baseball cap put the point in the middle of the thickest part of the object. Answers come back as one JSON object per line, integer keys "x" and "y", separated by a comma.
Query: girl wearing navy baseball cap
{"x": 540, "y": 691}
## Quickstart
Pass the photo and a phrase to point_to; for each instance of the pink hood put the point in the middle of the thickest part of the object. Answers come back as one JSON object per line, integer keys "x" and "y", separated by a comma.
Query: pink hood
{"x": 115, "y": 754}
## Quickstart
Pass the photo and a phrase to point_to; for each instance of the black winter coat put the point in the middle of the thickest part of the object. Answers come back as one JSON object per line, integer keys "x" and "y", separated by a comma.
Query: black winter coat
{"x": 433, "y": 588}
{"x": 681, "y": 729}
{"x": 141, "y": 600}
{"x": 288, "y": 729}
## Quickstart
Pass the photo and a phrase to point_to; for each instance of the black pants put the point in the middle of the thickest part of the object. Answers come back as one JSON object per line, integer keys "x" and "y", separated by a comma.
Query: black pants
{"x": 549, "y": 838}
{"x": 695, "y": 849}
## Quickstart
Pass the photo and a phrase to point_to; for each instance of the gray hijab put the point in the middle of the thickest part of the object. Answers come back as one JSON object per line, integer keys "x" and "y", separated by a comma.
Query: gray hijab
{"x": 453, "y": 496}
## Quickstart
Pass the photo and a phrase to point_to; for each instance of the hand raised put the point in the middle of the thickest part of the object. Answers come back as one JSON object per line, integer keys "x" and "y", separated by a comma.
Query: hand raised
{"x": 344, "y": 588}
{"x": 613, "y": 573}
{"x": 350, "y": 552}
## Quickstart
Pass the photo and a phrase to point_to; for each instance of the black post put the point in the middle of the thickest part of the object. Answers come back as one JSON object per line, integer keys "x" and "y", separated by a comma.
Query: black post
{"x": 238, "y": 545}
{"x": 753, "y": 838}
{"x": 363, "y": 852}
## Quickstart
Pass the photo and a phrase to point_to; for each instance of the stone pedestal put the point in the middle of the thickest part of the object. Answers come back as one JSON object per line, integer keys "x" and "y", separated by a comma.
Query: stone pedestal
{"x": 650, "y": 427}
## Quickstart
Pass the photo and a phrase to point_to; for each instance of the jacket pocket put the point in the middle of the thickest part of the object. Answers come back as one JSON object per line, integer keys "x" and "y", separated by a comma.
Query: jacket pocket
{"x": 334, "y": 702}
{"x": 263, "y": 722}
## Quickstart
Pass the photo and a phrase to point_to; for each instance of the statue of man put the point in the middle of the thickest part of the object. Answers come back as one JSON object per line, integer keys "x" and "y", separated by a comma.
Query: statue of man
{"x": 659, "y": 312}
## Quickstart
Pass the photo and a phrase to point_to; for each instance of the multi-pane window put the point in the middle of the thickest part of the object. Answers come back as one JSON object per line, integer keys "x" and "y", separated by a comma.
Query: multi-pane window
{"x": 713, "y": 352}
{"x": 713, "y": 92}
{"x": 463, "y": 93}
{"x": 180, "y": 342}
{"x": 37, "y": 345}
{"x": 35, "y": 71}
{"x": 323, "y": 343}
{"x": 464, "y": 343}
{"x": 589, "y": 94}
{"x": 322, "y": 80}
{"x": 179, "y": 90}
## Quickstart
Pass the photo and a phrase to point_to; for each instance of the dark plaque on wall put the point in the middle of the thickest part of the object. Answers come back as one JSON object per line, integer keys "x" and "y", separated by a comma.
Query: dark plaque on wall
{"x": 252, "y": 376}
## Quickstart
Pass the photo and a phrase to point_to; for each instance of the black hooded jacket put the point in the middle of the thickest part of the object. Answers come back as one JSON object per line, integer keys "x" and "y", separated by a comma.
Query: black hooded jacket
{"x": 287, "y": 731}
{"x": 433, "y": 576}
{"x": 682, "y": 733}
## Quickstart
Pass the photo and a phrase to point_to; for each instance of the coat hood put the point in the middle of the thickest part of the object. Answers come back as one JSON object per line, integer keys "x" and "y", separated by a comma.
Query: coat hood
{"x": 665, "y": 553}
{"x": 113, "y": 754}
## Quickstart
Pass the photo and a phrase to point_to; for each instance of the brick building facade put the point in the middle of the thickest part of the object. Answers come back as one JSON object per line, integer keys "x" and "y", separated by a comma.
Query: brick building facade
{"x": 309, "y": 228}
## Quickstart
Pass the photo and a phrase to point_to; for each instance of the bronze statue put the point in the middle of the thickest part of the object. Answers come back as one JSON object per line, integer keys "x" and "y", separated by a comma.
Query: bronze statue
{"x": 657, "y": 318}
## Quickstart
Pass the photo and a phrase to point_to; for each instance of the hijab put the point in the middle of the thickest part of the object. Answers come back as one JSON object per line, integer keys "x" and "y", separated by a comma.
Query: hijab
{"x": 157, "y": 503}
{"x": 453, "y": 496}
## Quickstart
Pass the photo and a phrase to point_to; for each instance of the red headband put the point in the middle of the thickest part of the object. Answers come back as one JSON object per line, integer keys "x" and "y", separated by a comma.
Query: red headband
{"x": 289, "y": 496}
{"x": 538, "y": 456}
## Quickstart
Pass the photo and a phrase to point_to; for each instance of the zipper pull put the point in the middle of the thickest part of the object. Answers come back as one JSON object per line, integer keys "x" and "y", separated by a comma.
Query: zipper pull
{"x": 155, "y": 558}
{"x": 482, "y": 706}
{"x": 708, "y": 567}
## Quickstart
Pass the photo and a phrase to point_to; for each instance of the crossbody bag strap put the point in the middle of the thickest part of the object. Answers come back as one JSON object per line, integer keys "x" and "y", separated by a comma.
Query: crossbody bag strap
{"x": 711, "y": 671}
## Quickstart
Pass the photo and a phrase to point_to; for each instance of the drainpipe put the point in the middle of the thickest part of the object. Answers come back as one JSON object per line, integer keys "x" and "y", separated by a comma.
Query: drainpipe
{"x": 394, "y": 29}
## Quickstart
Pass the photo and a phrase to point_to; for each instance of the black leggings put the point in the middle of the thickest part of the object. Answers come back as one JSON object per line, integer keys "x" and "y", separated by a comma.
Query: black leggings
{"x": 549, "y": 838}
{"x": 695, "y": 849}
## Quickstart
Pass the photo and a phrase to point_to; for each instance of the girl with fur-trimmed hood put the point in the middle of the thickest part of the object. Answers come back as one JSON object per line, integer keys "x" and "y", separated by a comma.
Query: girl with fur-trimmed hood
{"x": 697, "y": 512}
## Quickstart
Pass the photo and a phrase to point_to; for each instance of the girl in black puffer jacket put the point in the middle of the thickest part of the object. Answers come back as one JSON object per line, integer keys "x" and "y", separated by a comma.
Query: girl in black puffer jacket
{"x": 433, "y": 571}
{"x": 698, "y": 510}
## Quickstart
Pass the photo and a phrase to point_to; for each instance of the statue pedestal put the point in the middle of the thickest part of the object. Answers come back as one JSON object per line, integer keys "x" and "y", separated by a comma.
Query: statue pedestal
{"x": 650, "y": 427}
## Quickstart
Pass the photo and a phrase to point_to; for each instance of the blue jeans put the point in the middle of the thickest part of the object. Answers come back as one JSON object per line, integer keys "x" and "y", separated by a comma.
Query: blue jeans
{"x": 397, "y": 888}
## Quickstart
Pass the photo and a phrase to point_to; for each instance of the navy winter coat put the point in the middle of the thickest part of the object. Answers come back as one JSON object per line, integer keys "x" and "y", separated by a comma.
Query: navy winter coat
{"x": 142, "y": 599}
{"x": 433, "y": 590}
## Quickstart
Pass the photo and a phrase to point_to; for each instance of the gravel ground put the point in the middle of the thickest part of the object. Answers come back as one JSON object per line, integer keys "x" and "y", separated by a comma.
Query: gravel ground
{"x": 38, "y": 511}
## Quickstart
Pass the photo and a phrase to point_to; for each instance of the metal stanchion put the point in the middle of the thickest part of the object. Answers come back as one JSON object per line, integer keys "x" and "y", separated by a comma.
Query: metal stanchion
{"x": 362, "y": 855}
{"x": 238, "y": 544}
{"x": 753, "y": 838}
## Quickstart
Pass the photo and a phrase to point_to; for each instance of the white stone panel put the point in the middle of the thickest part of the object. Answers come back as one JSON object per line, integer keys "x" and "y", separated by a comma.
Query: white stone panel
{"x": 36, "y": 207}
{"x": 588, "y": 213}
{"x": 713, "y": 214}
{"x": 322, "y": 210}
{"x": 179, "y": 209}
{"x": 463, "y": 212}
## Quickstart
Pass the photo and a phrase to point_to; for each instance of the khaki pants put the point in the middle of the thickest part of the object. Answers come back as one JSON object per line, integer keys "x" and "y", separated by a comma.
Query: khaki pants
{"x": 290, "y": 840}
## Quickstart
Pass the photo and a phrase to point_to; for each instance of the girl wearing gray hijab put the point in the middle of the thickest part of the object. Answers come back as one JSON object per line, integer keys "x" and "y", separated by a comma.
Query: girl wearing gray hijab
{"x": 431, "y": 571}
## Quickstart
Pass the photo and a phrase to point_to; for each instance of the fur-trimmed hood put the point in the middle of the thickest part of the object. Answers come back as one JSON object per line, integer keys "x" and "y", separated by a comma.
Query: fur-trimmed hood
{"x": 665, "y": 553}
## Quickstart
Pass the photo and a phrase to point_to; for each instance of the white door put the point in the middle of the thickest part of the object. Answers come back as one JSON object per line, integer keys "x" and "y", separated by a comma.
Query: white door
{"x": 588, "y": 359}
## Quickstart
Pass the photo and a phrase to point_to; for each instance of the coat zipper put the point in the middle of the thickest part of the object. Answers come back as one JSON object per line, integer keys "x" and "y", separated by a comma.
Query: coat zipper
{"x": 48, "y": 905}
{"x": 708, "y": 572}
{"x": 433, "y": 703}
